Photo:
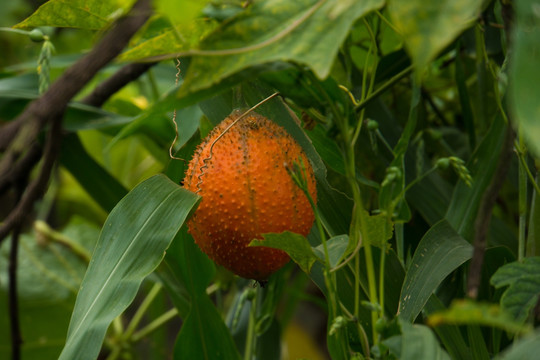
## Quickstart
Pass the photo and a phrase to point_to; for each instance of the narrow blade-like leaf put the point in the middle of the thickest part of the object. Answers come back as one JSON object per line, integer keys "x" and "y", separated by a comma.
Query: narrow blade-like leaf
{"x": 131, "y": 245}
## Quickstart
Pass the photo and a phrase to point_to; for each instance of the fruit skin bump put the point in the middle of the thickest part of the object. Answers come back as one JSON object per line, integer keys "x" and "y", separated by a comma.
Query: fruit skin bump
{"x": 246, "y": 192}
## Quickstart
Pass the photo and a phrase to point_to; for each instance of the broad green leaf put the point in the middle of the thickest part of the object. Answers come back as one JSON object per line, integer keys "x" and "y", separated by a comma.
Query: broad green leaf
{"x": 131, "y": 245}
{"x": 427, "y": 27}
{"x": 450, "y": 335}
{"x": 173, "y": 39}
{"x": 523, "y": 286}
{"x": 82, "y": 14}
{"x": 522, "y": 348}
{"x": 463, "y": 312}
{"x": 440, "y": 252}
{"x": 293, "y": 244}
{"x": 203, "y": 335}
{"x": 419, "y": 342}
{"x": 524, "y": 90}
{"x": 180, "y": 12}
{"x": 307, "y": 32}
{"x": 378, "y": 229}
{"x": 98, "y": 182}
{"x": 336, "y": 248}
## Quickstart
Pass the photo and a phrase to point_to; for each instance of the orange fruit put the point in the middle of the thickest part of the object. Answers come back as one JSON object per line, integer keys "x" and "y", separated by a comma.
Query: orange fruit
{"x": 246, "y": 192}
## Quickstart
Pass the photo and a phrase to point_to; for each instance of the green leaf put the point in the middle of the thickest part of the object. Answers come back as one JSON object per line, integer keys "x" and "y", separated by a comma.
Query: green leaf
{"x": 169, "y": 40}
{"x": 293, "y": 244}
{"x": 419, "y": 342}
{"x": 533, "y": 236}
{"x": 336, "y": 248}
{"x": 522, "y": 348}
{"x": 391, "y": 190}
{"x": 524, "y": 90}
{"x": 463, "y": 312}
{"x": 427, "y": 27}
{"x": 180, "y": 12}
{"x": 82, "y": 14}
{"x": 378, "y": 230}
{"x": 132, "y": 244}
{"x": 203, "y": 334}
{"x": 440, "y": 252}
{"x": 48, "y": 276}
{"x": 523, "y": 286}
{"x": 98, "y": 182}
{"x": 450, "y": 335}
{"x": 307, "y": 32}
{"x": 462, "y": 214}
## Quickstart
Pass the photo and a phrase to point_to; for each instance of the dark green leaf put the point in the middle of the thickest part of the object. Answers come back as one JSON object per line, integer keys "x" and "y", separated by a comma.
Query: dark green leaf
{"x": 82, "y": 14}
{"x": 524, "y": 90}
{"x": 132, "y": 244}
{"x": 468, "y": 312}
{"x": 523, "y": 348}
{"x": 102, "y": 186}
{"x": 523, "y": 286}
{"x": 419, "y": 342}
{"x": 462, "y": 214}
{"x": 440, "y": 252}
{"x": 307, "y": 32}
{"x": 203, "y": 334}
{"x": 293, "y": 244}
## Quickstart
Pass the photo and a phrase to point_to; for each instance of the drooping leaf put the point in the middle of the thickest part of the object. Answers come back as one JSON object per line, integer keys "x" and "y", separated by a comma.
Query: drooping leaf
{"x": 525, "y": 58}
{"x": 132, "y": 244}
{"x": 523, "y": 286}
{"x": 82, "y": 14}
{"x": 98, "y": 182}
{"x": 440, "y": 252}
{"x": 203, "y": 335}
{"x": 336, "y": 248}
{"x": 172, "y": 39}
{"x": 293, "y": 244}
{"x": 428, "y": 27}
{"x": 462, "y": 214}
{"x": 308, "y": 32}
{"x": 419, "y": 342}
{"x": 522, "y": 348}
{"x": 469, "y": 312}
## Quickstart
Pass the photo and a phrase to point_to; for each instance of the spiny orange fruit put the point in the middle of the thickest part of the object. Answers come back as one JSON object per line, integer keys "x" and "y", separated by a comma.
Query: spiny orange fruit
{"x": 246, "y": 192}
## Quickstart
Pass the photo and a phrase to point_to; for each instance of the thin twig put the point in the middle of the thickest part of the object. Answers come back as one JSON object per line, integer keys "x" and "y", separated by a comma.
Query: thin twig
{"x": 38, "y": 186}
{"x": 484, "y": 214}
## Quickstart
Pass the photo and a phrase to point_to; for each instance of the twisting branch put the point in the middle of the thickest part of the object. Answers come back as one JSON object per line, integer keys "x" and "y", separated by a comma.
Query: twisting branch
{"x": 483, "y": 218}
{"x": 49, "y": 108}
{"x": 54, "y": 101}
